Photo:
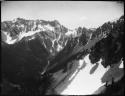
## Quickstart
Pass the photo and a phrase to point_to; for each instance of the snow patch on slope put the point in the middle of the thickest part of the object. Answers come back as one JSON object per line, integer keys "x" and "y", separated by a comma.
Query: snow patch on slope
{"x": 71, "y": 32}
{"x": 121, "y": 65}
{"x": 85, "y": 83}
{"x": 9, "y": 38}
{"x": 59, "y": 47}
{"x": 48, "y": 27}
{"x": 29, "y": 33}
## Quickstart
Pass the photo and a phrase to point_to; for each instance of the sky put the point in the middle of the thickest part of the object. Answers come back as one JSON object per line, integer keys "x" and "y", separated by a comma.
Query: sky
{"x": 71, "y": 14}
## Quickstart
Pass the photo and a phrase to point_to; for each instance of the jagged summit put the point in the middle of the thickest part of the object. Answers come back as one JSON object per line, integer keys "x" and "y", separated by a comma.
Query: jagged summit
{"x": 51, "y": 33}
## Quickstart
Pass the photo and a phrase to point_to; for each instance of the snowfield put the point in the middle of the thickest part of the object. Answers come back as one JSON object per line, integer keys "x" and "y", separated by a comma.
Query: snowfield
{"x": 86, "y": 83}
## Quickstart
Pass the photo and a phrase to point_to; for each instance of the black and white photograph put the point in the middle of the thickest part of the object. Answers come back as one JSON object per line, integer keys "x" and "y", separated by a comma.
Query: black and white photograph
{"x": 62, "y": 48}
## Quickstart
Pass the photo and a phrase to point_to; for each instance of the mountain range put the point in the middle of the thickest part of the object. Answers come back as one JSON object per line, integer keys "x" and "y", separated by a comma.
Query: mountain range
{"x": 34, "y": 50}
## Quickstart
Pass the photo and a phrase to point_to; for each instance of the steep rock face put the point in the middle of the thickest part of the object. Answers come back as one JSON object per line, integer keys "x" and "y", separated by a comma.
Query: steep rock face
{"x": 52, "y": 33}
{"x": 110, "y": 49}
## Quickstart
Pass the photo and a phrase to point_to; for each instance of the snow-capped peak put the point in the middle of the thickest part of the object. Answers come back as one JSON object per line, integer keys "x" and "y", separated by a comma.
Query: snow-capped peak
{"x": 71, "y": 32}
{"x": 50, "y": 32}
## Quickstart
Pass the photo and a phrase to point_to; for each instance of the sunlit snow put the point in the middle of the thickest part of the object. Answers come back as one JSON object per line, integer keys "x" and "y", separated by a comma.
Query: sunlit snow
{"x": 85, "y": 83}
{"x": 41, "y": 27}
{"x": 33, "y": 37}
{"x": 59, "y": 48}
{"x": 9, "y": 38}
{"x": 34, "y": 26}
{"x": 121, "y": 65}
{"x": 29, "y": 33}
{"x": 49, "y": 27}
{"x": 53, "y": 41}
{"x": 71, "y": 32}
{"x": 21, "y": 35}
